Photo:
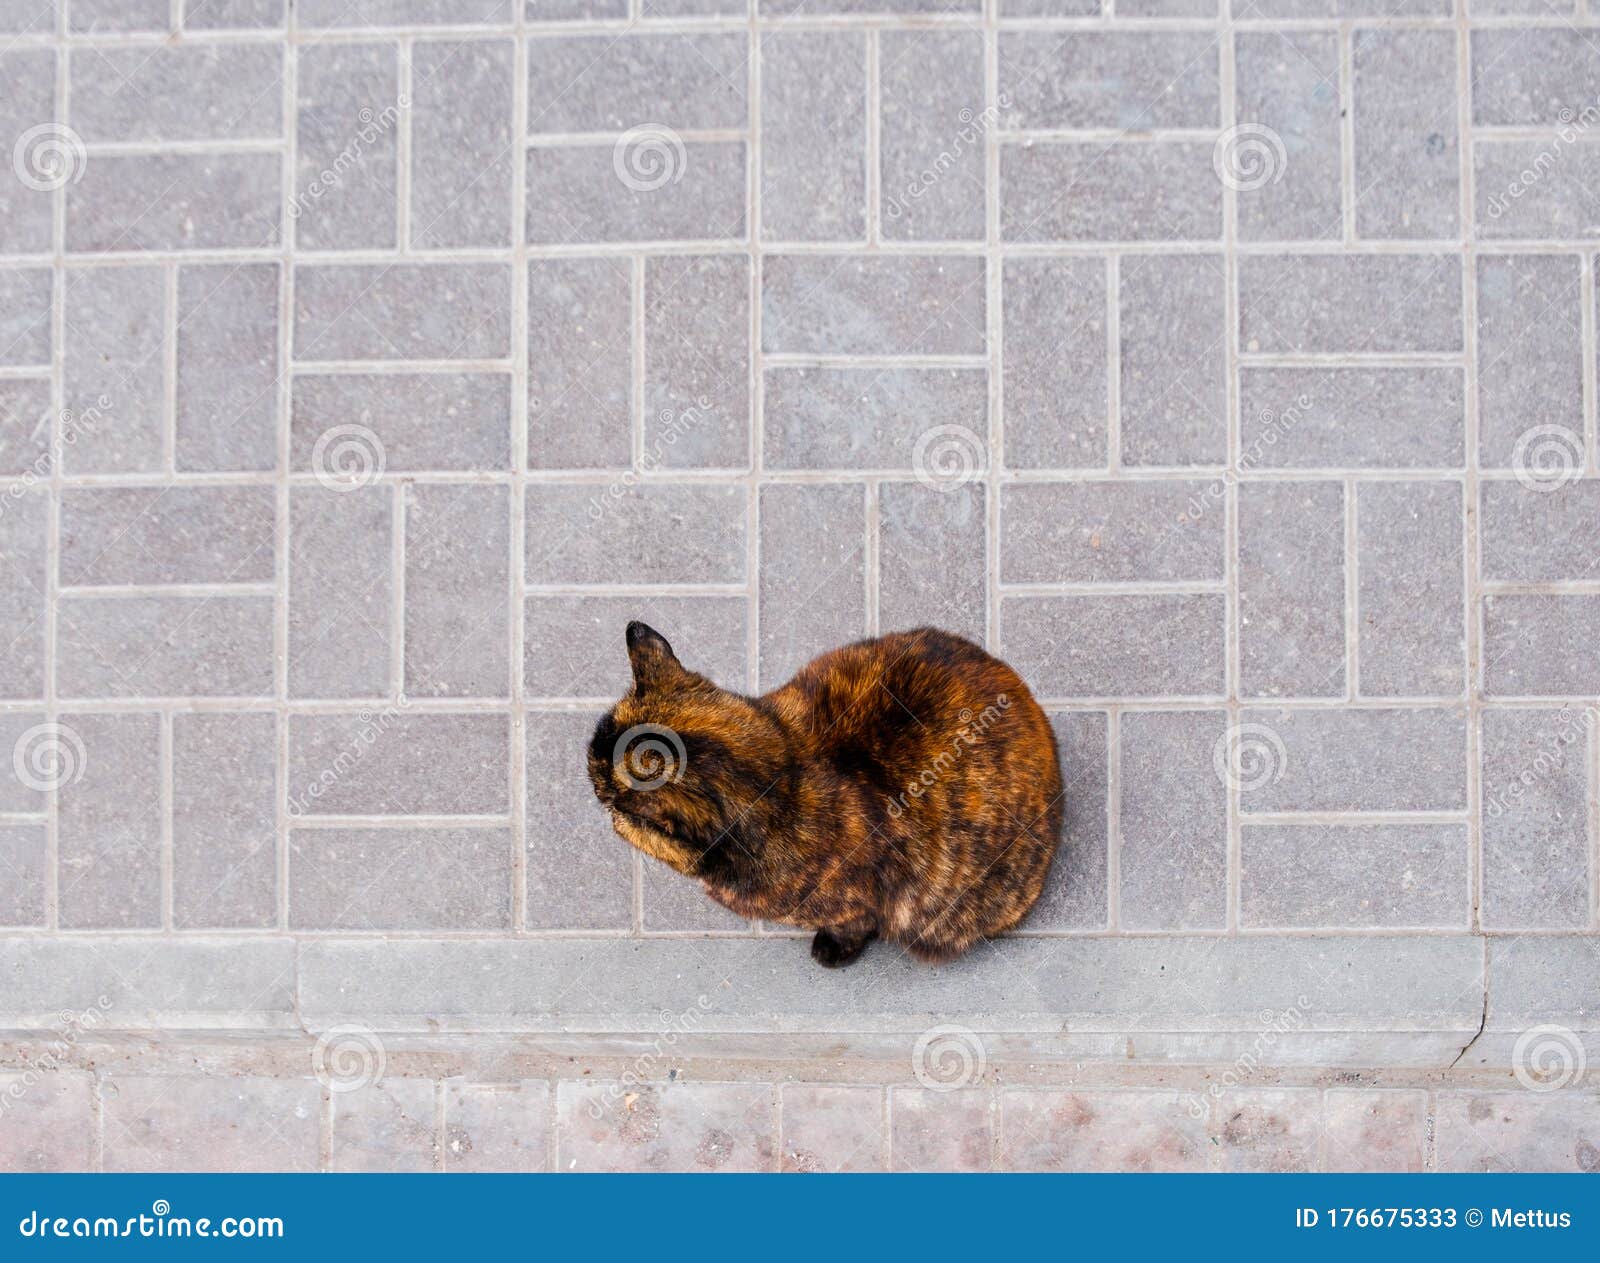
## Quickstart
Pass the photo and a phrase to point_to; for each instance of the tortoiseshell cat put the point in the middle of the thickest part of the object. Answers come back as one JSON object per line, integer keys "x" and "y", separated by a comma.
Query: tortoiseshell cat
{"x": 906, "y": 787}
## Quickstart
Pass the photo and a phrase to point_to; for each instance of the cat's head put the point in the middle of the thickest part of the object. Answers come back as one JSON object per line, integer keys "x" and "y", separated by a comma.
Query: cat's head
{"x": 683, "y": 766}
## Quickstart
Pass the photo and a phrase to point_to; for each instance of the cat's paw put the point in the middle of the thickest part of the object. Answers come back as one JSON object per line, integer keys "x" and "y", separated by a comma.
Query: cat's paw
{"x": 833, "y": 953}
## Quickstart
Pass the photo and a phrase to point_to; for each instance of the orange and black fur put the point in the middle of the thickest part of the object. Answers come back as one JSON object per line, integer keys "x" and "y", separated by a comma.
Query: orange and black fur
{"x": 905, "y": 787}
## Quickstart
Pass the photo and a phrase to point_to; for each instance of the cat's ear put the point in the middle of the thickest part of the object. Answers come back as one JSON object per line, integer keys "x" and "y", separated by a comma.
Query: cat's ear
{"x": 649, "y": 654}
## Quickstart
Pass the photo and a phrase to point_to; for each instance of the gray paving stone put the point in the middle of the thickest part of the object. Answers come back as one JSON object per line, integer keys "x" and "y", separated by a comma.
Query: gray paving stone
{"x": 167, "y": 535}
{"x": 573, "y": 645}
{"x": 669, "y": 902}
{"x": 1528, "y": 77}
{"x": 23, "y": 866}
{"x": 336, "y": 13}
{"x": 27, "y": 428}
{"x": 1523, "y": 190}
{"x": 1295, "y": 9}
{"x": 1052, "y": 1130}
{"x": 610, "y": 83}
{"x": 99, "y": 17}
{"x": 463, "y": 153}
{"x": 684, "y": 191}
{"x": 1350, "y": 302}
{"x": 201, "y": 201}
{"x": 579, "y": 872}
{"x": 697, "y": 361}
{"x": 1541, "y": 646}
{"x": 18, "y": 728}
{"x": 395, "y": 311}
{"x": 831, "y": 1127}
{"x": 1288, "y": 81}
{"x": 340, "y": 583}
{"x": 1530, "y": 352}
{"x": 813, "y": 136}
{"x": 873, "y": 304}
{"x": 25, "y": 327}
{"x": 1269, "y": 1130}
{"x": 27, "y": 98}
{"x": 1542, "y": 978}
{"x": 672, "y": 8}
{"x": 1049, "y": 8}
{"x": 1378, "y": 1130}
{"x": 776, "y": 8}
{"x": 1173, "y": 396}
{"x": 228, "y": 14}
{"x": 931, "y": 1130}
{"x": 31, "y": 17}
{"x": 347, "y": 147}
{"x": 1116, "y": 646}
{"x": 812, "y": 585}
{"x": 199, "y": 1123}
{"x": 1120, "y": 530}
{"x": 932, "y": 125}
{"x": 1516, "y": 1131}
{"x": 1536, "y": 854}
{"x": 1087, "y": 191}
{"x": 1129, "y": 81}
{"x": 1291, "y": 589}
{"x": 931, "y": 558}
{"x": 24, "y": 543}
{"x": 580, "y": 363}
{"x": 457, "y": 591}
{"x": 165, "y": 646}
{"x": 389, "y": 763}
{"x": 140, "y": 981}
{"x": 1320, "y": 760}
{"x": 1366, "y": 417}
{"x": 51, "y": 1123}
{"x": 388, "y": 1125}
{"x": 1174, "y": 826}
{"x": 1407, "y": 152}
{"x": 1074, "y": 895}
{"x": 497, "y": 1127}
{"x": 1530, "y": 535}
{"x": 421, "y": 421}
{"x": 400, "y": 879}
{"x": 645, "y": 533}
{"x": 109, "y": 821}
{"x": 1055, "y": 364}
{"x": 178, "y": 92}
{"x": 1411, "y": 607}
{"x": 227, "y": 371}
{"x": 114, "y": 364}
{"x": 665, "y": 1127}
{"x": 1354, "y": 876}
{"x": 224, "y": 835}
{"x": 872, "y": 418}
